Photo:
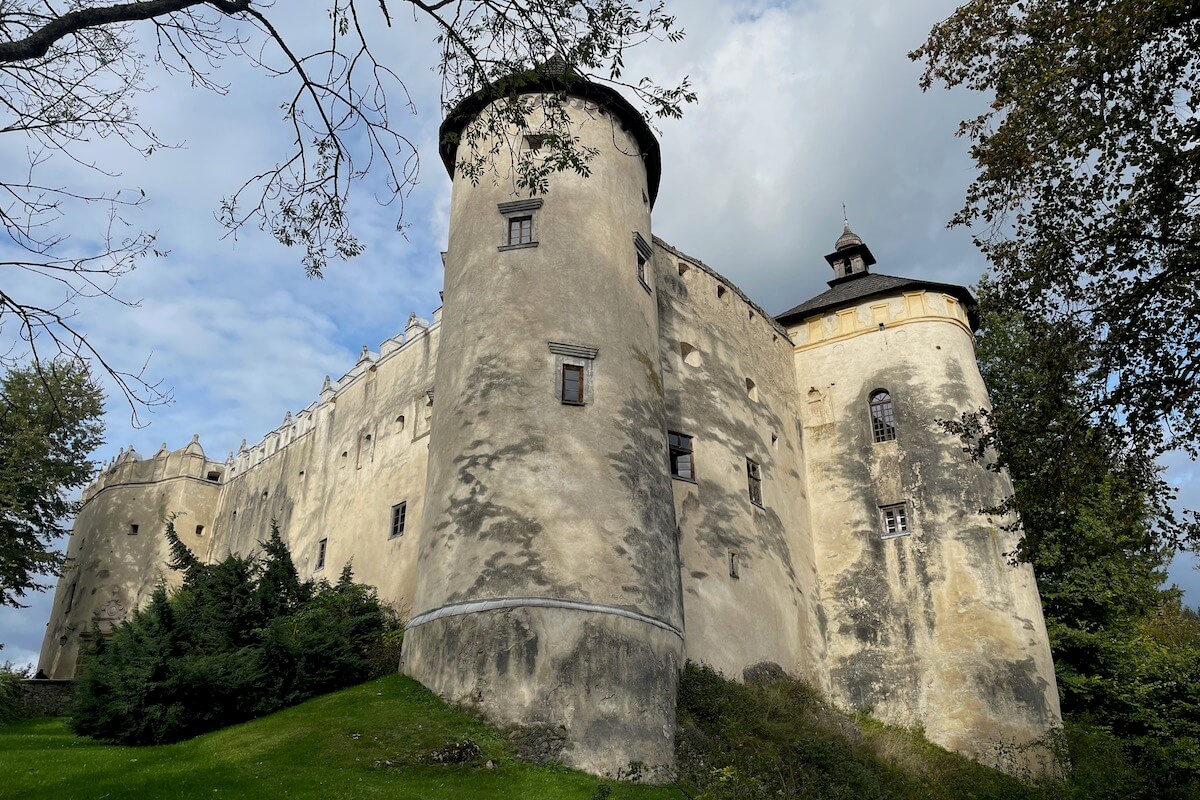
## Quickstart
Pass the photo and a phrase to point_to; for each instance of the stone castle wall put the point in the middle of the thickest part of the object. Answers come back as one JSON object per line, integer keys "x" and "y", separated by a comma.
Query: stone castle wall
{"x": 553, "y": 569}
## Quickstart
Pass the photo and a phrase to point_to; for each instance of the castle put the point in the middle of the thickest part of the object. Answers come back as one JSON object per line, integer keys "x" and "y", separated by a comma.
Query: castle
{"x": 600, "y": 459}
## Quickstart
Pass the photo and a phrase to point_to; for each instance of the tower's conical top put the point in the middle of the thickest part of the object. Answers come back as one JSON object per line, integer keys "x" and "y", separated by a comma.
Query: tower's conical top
{"x": 848, "y": 238}
{"x": 555, "y": 66}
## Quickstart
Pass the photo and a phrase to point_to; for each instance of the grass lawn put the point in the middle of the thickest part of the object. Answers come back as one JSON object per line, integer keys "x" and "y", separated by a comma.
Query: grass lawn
{"x": 334, "y": 746}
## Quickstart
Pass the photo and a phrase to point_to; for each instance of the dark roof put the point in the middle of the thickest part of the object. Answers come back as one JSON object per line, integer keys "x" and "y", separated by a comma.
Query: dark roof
{"x": 861, "y": 285}
{"x": 554, "y": 76}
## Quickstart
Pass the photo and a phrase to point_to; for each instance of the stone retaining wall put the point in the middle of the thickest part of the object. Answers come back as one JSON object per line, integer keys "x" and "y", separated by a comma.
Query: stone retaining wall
{"x": 45, "y": 698}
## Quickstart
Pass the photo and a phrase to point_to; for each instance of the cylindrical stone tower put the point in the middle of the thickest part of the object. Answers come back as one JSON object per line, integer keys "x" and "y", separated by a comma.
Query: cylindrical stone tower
{"x": 930, "y": 623}
{"x": 548, "y": 575}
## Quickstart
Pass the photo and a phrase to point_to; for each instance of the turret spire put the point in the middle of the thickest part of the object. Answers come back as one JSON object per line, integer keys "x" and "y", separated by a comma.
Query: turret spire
{"x": 850, "y": 257}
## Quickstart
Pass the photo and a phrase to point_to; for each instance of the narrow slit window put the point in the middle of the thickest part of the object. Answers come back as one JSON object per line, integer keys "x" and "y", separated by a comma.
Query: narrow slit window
{"x": 683, "y": 457}
{"x": 399, "y": 518}
{"x": 520, "y": 230}
{"x": 754, "y": 481}
{"x": 321, "y": 547}
{"x": 895, "y": 520}
{"x": 883, "y": 417}
{"x": 572, "y": 384}
{"x": 733, "y": 565}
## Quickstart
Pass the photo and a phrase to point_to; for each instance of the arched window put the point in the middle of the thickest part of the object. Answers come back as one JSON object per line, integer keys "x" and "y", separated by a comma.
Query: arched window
{"x": 883, "y": 419}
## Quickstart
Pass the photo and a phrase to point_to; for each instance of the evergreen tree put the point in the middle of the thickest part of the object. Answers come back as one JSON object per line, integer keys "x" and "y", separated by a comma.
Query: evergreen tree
{"x": 242, "y": 637}
{"x": 1099, "y": 531}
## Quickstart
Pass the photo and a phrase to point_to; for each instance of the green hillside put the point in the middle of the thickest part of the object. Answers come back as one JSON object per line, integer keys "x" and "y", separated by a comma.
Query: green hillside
{"x": 366, "y": 741}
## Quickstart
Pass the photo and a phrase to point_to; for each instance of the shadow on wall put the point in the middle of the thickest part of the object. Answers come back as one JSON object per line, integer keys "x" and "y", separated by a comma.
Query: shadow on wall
{"x": 889, "y": 620}
{"x": 516, "y": 562}
{"x": 649, "y": 547}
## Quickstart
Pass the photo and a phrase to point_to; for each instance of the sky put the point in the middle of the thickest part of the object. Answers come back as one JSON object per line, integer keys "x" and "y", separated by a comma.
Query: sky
{"x": 803, "y": 106}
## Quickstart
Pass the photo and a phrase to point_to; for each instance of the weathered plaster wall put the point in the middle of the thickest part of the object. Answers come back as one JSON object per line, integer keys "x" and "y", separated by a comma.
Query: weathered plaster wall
{"x": 771, "y": 610}
{"x": 935, "y": 628}
{"x": 531, "y": 499}
{"x": 335, "y": 470}
{"x": 332, "y": 472}
{"x": 553, "y": 571}
{"x": 110, "y": 570}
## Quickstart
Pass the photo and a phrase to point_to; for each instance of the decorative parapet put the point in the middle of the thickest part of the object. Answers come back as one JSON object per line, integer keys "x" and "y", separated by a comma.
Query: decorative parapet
{"x": 296, "y": 427}
{"x": 130, "y": 468}
{"x": 879, "y": 313}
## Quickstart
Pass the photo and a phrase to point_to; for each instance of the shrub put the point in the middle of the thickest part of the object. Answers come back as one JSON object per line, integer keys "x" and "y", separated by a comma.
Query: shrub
{"x": 241, "y": 638}
{"x": 10, "y": 690}
{"x": 780, "y": 740}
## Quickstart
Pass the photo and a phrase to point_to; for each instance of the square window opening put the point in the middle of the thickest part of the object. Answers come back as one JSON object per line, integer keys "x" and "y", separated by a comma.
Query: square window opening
{"x": 894, "y": 519}
{"x": 133, "y": 528}
{"x": 399, "y": 519}
{"x": 520, "y": 230}
{"x": 641, "y": 272}
{"x": 572, "y": 385}
{"x": 683, "y": 456}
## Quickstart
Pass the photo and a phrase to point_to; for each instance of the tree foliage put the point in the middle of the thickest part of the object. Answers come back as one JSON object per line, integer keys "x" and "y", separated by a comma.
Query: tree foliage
{"x": 242, "y": 637}
{"x": 1099, "y": 530}
{"x": 74, "y": 72}
{"x": 49, "y": 423}
{"x": 1087, "y": 199}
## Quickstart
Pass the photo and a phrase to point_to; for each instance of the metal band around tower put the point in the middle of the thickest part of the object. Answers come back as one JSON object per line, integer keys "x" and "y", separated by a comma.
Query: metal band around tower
{"x": 476, "y": 606}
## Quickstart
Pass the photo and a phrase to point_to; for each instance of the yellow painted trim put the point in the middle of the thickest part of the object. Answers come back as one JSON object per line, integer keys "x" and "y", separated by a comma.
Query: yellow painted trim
{"x": 800, "y": 348}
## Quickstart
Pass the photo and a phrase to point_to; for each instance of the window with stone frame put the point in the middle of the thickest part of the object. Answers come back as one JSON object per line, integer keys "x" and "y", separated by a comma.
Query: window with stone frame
{"x": 573, "y": 372}
{"x": 883, "y": 416}
{"x": 642, "y": 253}
{"x": 683, "y": 456}
{"x": 520, "y": 223}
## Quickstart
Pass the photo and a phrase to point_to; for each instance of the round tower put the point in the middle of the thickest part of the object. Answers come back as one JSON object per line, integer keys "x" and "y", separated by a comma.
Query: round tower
{"x": 548, "y": 580}
{"x": 117, "y": 552}
{"x": 930, "y": 623}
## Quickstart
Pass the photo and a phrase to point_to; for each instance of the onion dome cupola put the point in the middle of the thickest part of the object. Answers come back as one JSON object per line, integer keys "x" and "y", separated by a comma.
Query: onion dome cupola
{"x": 850, "y": 256}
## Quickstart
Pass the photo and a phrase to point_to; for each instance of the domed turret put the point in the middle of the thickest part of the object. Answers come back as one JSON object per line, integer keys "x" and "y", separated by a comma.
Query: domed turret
{"x": 850, "y": 256}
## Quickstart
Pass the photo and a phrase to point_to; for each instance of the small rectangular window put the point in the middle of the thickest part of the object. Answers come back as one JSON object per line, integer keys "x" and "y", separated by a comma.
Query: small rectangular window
{"x": 321, "y": 545}
{"x": 572, "y": 384}
{"x": 754, "y": 479}
{"x": 733, "y": 564}
{"x": 399, "y": 517}
{"x": 199, "y": 530}
{"x": 133, "y": 529}
{"x": 895, "y": 520}
{"x": 641, "y": 272}
{"x": 683, "y": 459}
{"x": 520, "y": 230}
